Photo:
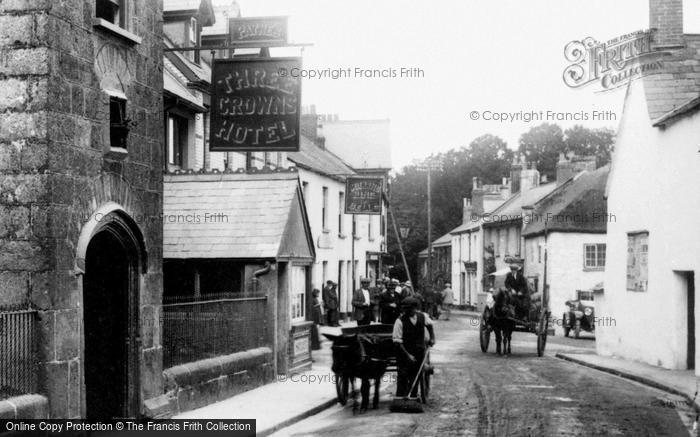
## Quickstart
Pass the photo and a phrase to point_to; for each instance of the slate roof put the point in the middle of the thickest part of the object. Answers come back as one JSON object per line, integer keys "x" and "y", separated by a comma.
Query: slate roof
{"x": 188, "y": 70}
{"x": 512, "y": 209}
{"x": 322, "y": 161}
{"x": 262, "y": 216}
{"x": 174, "y": 82}
{"x": 443, "y": 241}
{"x": 578, "y": 205}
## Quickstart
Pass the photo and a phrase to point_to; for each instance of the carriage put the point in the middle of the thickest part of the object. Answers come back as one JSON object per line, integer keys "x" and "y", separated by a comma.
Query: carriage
{"x": 382, "y": 354}
{"x": 536, "y": 320}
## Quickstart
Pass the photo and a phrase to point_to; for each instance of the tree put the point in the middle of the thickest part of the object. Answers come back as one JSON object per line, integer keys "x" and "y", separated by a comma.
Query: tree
{"x": 586, "y": 142}
{"x": 486, "y": 157}
{"x": 541, "y": 145}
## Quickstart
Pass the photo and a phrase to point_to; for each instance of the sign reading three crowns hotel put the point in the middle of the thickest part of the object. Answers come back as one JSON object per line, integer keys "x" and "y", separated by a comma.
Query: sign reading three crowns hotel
{"x": 254, "y": 107}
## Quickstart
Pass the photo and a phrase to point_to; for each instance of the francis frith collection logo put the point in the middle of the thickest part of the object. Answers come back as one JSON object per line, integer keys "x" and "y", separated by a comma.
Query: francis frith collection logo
{"x": 613, "y": 63}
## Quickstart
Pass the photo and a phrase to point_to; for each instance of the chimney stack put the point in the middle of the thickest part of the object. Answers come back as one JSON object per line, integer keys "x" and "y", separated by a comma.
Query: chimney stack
{"x": 568, "y": 168}
{"x": 666, "y": 16}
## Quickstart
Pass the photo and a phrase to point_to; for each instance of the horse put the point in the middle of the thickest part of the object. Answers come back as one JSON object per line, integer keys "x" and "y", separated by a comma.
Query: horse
{"x": 360, "y": 356}
{"x": 502, "y": 322}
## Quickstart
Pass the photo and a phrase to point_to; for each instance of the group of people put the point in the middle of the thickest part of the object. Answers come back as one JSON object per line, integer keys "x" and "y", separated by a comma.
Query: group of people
{"x": 380, "y": 303}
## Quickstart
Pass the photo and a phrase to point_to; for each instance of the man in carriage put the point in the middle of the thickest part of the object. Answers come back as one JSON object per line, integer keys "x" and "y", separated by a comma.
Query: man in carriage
{"x": 409, "y": 337}
{"x": 517, "y": 284}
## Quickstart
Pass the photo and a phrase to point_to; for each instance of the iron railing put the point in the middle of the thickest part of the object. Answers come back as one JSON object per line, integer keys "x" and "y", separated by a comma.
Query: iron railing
{"x": 18, "y": 354}
{"x": 206, "y": 327}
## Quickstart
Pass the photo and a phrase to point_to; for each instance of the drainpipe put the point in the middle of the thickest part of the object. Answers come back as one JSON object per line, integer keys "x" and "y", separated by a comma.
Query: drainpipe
{"x": 265, "y": 270}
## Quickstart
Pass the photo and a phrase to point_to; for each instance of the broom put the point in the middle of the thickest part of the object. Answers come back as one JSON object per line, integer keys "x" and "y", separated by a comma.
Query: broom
{"x": 408, "y": 404}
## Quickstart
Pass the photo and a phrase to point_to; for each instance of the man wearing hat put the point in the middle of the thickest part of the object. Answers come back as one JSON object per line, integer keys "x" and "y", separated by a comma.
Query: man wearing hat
{"x": 330, "y": 302}
{"x": 410, "y": 341}
{"x": 516, "y": 282}
{"x": 362, "y": 303}
{"x": 389, "y": 302}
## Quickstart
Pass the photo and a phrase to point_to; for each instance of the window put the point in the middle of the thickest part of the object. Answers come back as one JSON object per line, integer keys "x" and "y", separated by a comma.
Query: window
{"x": 193, "y": 31}
{"x": 539, "y": 253}
{"x": 324, "y": 209}
{"x": 268, "y": 159}
{"x": 325, "y": 272}
{"x": 176, "y": 140}
{"x": 194, "y": 39}
{"x": 341, "y": 206}
{"x": 298, "y": 278}
{"x": 118, "y": 124}
{"x": 113, "y": 11}
{"x": 370, "y": 228}
{"x": 637, "y": 261}
{"x": 593, "y": 256}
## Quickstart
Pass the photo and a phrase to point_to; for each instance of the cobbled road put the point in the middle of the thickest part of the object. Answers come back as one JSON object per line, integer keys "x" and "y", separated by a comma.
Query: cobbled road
{"x": 477, "y": 394}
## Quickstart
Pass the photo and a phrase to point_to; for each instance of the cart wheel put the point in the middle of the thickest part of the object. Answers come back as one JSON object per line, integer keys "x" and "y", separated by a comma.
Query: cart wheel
{"x": 341, "y": 388}
{"x": 484, "y": 335}
{"x": 425, "y": 387}
{"x": 577, "y": 329}
{"x": 542, "y": 336}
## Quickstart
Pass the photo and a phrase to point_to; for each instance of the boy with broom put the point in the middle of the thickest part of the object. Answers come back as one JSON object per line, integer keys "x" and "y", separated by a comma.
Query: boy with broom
{"x": 410, "y": 340}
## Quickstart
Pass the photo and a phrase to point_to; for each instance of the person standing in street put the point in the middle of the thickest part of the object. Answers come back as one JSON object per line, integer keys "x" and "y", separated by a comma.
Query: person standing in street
{"x": 362, "y": 303}
{"x": 317, "y": 318}
{"x": 374, "y": 293}
{"x": 447, "y": 300}
{"x": 409, "y": 339}
{"x": 330, "y": 303}
{"x": 389, "y": 302}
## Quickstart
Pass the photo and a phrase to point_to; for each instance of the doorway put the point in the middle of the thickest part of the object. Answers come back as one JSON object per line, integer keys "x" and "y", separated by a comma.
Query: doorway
{"x": 110, "y": 322}
{"x": 690, "y": 282}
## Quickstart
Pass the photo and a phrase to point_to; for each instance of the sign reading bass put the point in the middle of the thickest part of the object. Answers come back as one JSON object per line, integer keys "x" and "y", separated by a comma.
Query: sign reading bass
{"x": 254, "y": 108}
{"x": 258, "y": 30}
{"x": 363, "y": 195}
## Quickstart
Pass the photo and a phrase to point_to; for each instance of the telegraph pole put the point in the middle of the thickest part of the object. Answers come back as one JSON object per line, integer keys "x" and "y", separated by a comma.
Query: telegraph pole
{"x": 430, "y": 233}
{"x": 429, "y": 166}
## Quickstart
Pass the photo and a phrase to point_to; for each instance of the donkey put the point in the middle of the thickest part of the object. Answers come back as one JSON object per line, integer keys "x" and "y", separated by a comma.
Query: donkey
{"x": 360, "y": 356}
{"x": 502, "y": 322}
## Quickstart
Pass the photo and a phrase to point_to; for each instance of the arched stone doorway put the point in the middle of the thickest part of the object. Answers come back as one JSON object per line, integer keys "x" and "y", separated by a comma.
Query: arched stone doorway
{"x": 112, "y": 266}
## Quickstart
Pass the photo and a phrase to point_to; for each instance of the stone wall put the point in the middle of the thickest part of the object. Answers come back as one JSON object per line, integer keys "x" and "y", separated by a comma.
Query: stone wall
{"x": 194, "y": 385}
{"x": 57, "y": 169}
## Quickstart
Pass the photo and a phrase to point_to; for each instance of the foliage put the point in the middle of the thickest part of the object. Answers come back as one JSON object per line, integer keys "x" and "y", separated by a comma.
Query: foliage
{"x": 486, "y": 157}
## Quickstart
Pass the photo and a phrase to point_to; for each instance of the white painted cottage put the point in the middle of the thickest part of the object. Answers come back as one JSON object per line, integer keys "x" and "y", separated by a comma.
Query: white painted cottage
{"x": 653, "y": 246}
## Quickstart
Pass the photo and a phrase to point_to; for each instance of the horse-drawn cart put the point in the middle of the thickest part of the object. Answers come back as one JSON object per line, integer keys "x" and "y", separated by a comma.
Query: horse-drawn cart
{"x": 367, "y": 352}
{"x": 500, "y": 315}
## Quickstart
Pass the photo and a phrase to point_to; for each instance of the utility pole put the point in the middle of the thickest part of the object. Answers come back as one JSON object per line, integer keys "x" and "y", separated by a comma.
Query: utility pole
{"x": 429, "y": 166}
{"x": 430, "y": 233}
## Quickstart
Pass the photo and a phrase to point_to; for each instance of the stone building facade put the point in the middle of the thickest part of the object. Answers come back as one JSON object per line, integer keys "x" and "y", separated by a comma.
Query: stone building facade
{"x": 80, "y": 200}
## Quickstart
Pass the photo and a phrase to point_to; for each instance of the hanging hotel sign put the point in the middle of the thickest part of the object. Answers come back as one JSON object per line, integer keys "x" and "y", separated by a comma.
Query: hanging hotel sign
{"x": 363, "y": 195}
{"x": 258, "y": 30}
{"x": 254, "y": 107}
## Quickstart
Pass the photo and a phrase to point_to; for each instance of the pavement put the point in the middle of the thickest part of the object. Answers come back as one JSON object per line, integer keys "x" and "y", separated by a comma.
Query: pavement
{"x": 292, "y": 397}
{"x": 297, "y": 397}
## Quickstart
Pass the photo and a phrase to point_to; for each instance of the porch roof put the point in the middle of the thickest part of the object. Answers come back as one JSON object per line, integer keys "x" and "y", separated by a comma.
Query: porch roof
{"x": 235, "y": 215}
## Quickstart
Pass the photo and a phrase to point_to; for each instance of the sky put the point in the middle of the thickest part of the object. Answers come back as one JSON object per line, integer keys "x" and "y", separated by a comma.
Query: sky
{"x": 477, "y": 58}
